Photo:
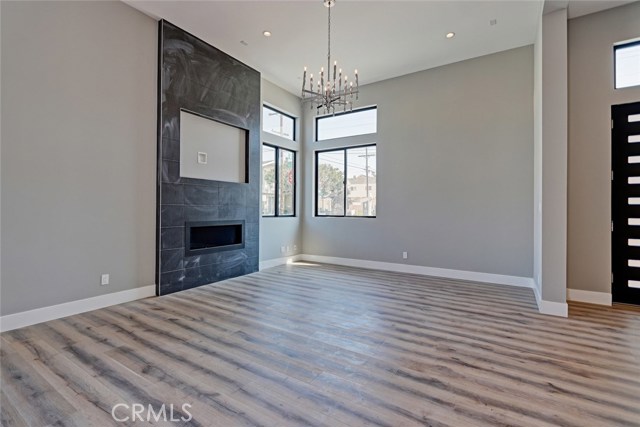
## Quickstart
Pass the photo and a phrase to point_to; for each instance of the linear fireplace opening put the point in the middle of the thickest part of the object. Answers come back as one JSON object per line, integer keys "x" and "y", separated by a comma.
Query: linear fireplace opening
{"x": 212, "y": 236}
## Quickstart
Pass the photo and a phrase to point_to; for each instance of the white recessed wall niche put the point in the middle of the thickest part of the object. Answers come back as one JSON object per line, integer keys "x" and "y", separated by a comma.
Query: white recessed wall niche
{"x": 211, "y": 150}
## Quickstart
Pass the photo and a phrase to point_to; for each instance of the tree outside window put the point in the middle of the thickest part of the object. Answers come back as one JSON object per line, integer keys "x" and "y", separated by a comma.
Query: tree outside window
{"x": 278, "y": 181}
{"x": 346, "y": 182}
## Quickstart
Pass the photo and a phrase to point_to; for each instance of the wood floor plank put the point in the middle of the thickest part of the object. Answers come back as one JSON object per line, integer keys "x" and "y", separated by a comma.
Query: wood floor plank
{"x": 385, "y": 373}
{"x": 75, "y": 384}
{"x": 320, "y": 345}
{"x": 34, "y": 398}
{"x": 9, "y": 415}
{"x": 493, "y": 349}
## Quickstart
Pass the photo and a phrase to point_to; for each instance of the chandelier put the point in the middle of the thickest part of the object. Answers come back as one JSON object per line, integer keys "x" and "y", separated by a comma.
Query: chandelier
{"x": 329, "y": 93}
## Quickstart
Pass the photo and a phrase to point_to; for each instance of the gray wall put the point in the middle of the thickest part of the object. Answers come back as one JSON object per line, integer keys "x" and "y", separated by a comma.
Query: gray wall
{"x": 537, "y": 159}
{"x": 0, "y": 158}
{"x": 278, "y": 232}
{"x": 553, "y": 278}
{"x": 78, "y": 151}
{"x": 455, "y": 170}
{"x": 591, "y": 94}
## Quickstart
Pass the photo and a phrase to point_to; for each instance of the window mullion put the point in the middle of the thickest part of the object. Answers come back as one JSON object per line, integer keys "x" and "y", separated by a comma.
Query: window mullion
{"x": 344, "y": 184}
{"x": 317, "y": 184}
{"x": 277, "y": 192}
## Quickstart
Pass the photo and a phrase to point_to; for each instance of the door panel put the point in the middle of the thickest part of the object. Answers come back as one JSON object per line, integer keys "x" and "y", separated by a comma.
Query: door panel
{"x": 625, "y": 202}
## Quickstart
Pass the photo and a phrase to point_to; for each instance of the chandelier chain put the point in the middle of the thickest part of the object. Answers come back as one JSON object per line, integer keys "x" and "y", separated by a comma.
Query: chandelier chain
{"x": 329, "y": 43}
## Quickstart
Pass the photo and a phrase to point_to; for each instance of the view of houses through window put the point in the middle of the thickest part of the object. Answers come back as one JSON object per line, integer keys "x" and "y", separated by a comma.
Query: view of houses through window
{"x": 278, "y": 181}
{"x": 346, "y": 182}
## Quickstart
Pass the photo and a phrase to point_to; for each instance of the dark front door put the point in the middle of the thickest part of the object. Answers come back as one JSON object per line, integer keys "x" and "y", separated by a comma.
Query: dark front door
{"x": 625, "y": 202}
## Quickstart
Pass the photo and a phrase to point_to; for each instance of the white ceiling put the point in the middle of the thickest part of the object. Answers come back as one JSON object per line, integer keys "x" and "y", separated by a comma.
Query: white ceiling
{"x": 382, "y": 39}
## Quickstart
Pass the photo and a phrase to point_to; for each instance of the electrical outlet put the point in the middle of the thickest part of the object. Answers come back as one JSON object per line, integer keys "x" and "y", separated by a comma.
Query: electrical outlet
{"x": 104, "y": 279}
{"x": 288, "y": 249}
{"x": 295, "y": 247}
{"x": 281, "y": 249}
{"x": 405, "y": 255}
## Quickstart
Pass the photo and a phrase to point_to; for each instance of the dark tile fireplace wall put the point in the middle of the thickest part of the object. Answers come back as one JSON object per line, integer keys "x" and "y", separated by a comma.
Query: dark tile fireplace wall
{"x": 196, "y": 76}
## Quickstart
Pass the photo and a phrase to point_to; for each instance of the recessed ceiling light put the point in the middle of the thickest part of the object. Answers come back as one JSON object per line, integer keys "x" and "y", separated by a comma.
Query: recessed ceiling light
{"x": 451, "y": 35}
{"x": 266, "y": 33}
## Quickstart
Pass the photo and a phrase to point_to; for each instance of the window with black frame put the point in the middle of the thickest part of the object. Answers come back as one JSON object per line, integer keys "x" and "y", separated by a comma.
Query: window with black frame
{"x": 346, "y": 182}
{"x": 278, "y": 181}
{"x": 627, "y": 64}
{"x": 349, "y": 123}
{"x": 278, "y": 123}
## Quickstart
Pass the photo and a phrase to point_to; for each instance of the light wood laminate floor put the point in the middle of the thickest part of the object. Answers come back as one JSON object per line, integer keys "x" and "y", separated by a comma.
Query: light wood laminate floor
{"x": 319, "y": 345}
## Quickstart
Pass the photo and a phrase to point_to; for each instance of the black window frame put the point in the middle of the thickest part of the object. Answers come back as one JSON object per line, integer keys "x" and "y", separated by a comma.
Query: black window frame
{"x": 342, "y": 113}
{"x": 275, "y": 110}
{"x": 276, "y": 209}
{"x": 344, "y": 182}
{"x": 615, "y": 63}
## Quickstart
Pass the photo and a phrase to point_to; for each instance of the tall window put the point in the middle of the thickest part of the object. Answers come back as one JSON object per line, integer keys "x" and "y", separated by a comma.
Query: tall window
{"x": 627, "y": 64}
{"x": 278, "y": 181}
{"x": 346, "y": 182}
{"x": 352, "y": 123}
{"x": 278, "y": 123}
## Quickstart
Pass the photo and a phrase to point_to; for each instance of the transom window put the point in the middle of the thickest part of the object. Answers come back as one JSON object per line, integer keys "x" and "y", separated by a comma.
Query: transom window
{"x": 278, "y": 123}
{"x": 352, "y": 123}
{"x": 346, "y": 182}
{"x": 627, "y": 64}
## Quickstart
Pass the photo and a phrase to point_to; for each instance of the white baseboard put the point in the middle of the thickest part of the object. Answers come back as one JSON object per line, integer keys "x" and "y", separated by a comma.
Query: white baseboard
{"x": 524, "y": 282}
{"x": 39, "y": 315}
{"x": 44, "y": 314}
{"x": 600, "y": 298}
{"x": 552, "y": 308}
{"x": 279, "y": 261}
{"x": 544, "y": 307}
